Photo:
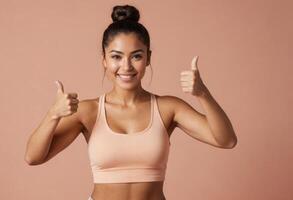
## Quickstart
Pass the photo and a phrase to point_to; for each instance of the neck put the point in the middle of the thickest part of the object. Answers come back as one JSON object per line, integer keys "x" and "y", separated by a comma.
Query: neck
{"x": 126, "y": 97}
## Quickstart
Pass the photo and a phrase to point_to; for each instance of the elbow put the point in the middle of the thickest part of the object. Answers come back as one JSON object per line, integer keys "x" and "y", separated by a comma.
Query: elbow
{"x": 231, "y": 143}
{"x": 31, "y": 162}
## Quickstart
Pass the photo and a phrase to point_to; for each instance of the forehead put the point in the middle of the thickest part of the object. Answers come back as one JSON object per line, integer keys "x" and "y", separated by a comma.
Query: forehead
{"x": 125, "y": 42}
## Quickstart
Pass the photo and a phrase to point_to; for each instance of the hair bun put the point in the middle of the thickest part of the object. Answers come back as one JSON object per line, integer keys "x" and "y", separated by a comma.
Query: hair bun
{"x": 125, "y": 12}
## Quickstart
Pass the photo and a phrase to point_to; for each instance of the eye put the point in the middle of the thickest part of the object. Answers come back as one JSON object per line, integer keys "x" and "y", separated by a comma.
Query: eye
{"x": 115, "y": 57}
{"x": 137, "y": 56}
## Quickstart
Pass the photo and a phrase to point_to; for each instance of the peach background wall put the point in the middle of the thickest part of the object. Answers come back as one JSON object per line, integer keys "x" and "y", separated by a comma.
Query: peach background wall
{"x": 244, "y": 60}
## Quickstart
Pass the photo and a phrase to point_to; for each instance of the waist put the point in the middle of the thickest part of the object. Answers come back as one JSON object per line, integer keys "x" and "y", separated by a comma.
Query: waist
{"x": 128, "y": 175}
{"x": 129, "y": 191}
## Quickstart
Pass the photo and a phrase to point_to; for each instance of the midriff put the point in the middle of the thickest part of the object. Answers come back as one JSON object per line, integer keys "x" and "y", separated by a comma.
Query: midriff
{"x": 129, "y": 191}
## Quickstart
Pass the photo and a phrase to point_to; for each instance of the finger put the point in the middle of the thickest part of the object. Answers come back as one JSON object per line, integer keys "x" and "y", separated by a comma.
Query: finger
{"x": 72, "y": 95}
{"x": 74, "y": 101}
{"x": 186, "y": 84}
{"x": 60, "y": 88}
{"x": 194, "y": 64}
{"x": 187, "y": 78}
{"x": 73, "y": 107}
{"x": 186, "y": 89}
{"x": 186, "y": 73}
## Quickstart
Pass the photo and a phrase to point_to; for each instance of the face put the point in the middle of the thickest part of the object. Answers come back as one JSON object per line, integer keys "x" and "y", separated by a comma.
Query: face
{"x": 125, "y": 60}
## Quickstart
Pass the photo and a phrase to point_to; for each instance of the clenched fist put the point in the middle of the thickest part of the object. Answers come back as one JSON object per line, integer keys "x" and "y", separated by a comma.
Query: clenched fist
{"x": 65, "y": 104}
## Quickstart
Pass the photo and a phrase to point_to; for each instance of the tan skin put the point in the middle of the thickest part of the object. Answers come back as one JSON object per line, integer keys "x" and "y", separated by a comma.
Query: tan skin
{"x": 126, "y": 99}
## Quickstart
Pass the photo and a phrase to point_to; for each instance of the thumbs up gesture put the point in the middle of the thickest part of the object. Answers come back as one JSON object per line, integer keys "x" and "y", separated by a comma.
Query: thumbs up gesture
{"x": 65, "y": 104}
{"x": 191, "y": 81}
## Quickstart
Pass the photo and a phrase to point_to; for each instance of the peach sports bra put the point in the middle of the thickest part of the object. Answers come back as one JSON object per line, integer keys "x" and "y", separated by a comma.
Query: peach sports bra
{"x": 137, "y": 157}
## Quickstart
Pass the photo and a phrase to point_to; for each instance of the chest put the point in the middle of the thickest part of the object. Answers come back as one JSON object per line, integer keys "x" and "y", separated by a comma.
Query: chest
{"x": 131, "y": 120}
{"x": 137, "y": 119}
{"x": 128, "y": 120}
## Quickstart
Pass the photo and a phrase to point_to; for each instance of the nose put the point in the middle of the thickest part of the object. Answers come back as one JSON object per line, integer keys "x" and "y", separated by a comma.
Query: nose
{"x": 127, "y": 64}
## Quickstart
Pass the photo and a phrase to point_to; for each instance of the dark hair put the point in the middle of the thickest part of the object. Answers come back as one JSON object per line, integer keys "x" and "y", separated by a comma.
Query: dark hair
{"x": 125, "y": 20}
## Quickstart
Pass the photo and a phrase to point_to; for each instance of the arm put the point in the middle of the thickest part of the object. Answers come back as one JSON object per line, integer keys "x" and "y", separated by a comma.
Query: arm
{"x": 58, "y": 129}
{"x": 213, "y": 128}
{"x": 218, "y": 121}
{"x": 51, "y": 137}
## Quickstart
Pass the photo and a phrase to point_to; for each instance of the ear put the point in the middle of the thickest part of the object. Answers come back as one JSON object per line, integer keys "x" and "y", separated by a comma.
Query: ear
{"x": 103, "y": 61}
{"x": 149, "y": 58}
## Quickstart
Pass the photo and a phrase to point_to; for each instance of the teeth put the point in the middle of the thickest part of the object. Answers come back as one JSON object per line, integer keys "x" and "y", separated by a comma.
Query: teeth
{"x": 126, "y": 77}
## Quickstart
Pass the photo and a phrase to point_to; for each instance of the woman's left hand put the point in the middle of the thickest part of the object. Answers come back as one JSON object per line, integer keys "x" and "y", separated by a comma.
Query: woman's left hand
{"x": 191, "y": 81}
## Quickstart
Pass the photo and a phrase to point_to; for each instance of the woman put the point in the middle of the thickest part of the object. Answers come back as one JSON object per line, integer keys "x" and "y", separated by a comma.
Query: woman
{"x": 128, "y": 128}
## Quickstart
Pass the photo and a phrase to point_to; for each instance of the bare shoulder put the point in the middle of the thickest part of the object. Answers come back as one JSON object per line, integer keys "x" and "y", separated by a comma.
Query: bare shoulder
{"x": 87, "y": 104}
{"x": 88, "y": 109}
{"x": 173, "y": 101}
{"x": 169, "y": 101}
{"x": 176, "y": 106}
{"x": 170, "y": 104}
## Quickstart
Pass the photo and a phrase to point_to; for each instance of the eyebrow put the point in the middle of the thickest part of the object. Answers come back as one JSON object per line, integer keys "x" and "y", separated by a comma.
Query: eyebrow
{"x": 138, "y": 50}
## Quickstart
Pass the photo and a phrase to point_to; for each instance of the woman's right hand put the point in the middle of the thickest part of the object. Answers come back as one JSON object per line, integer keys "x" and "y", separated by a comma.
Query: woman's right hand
{"x": 65, "y": 104}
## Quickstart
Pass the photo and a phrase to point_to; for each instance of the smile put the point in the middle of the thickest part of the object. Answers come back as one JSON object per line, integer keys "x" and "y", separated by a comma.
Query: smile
{"x": 124, "y": 77}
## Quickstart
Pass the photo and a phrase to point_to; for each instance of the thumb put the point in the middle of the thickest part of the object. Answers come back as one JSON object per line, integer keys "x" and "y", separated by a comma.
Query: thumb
{"x": 194, "y": 63}
{"x": 59, "y": 86}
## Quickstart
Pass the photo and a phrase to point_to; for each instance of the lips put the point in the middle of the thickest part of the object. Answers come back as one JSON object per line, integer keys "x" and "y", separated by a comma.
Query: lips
{"x": 126, "y": 77}
{"x": 127, "y": 74}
